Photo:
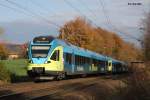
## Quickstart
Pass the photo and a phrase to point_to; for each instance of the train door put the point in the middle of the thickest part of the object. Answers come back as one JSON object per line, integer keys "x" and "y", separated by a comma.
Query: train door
{"x": 102, "y": 66}
{"x": 73, "y": 62}
{"x": 57, "y": 59}
{"x": 68, "y": 63}
{"x": 109, "y": 66}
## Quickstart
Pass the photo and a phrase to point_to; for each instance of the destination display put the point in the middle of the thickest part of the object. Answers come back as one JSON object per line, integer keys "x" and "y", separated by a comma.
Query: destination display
{"x": 43, "y": 39}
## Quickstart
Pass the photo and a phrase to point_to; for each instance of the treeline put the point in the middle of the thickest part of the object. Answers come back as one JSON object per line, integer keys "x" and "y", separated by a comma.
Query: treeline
{"x": 147, "y": 40}
{"x": 81, "y": 33}
{"x": 138, "y": 84}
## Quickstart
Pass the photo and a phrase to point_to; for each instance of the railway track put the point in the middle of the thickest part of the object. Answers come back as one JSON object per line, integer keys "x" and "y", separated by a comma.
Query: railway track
{"x": 54, "y": 89}
{"x": 27, "y": 95}
{"x": 60, "y": 92}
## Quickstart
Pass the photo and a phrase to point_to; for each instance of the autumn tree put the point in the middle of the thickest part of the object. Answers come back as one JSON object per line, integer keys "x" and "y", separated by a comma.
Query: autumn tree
{"x": 77, "y": 32}
{"x": 3, "y": 52}
{"x": 81, "y": 33}
{"x": 24, "y": 50}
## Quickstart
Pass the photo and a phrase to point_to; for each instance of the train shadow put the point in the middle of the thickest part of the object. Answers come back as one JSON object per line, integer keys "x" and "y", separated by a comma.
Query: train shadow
{"x": 81, "y": 91}
{"x": 19, "y": 79}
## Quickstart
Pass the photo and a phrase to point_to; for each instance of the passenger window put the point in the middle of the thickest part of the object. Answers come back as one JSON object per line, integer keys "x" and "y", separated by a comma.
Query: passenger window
{"x": 68, "y": 58}
{"x": 55, "y": 55}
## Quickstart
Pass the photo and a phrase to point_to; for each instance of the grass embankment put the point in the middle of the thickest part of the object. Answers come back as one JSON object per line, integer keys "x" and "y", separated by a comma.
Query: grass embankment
{"x": 16, "y": 69}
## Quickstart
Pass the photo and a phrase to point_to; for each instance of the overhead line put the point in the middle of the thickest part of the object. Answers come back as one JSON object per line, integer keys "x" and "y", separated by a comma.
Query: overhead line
{"x": 77, "y": 10}
{"x": 86, "y": 6}
{"x": 14, "y": 9}
{"x": 105, "y": 13}
{"x": 107, "y": 17}
{"x": 109, "y": 22}
{"x": 42, "y": 7}
{"x": 32, "y": 13}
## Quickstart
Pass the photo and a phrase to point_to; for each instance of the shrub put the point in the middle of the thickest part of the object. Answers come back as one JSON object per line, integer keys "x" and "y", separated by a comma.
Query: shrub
{"x": 3, "y": 52}
{"x": 4, "y": 74}
{"x": 137, "y": 86}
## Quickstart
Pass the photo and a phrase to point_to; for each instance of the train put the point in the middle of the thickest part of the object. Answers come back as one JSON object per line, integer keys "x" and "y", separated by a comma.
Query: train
{"x": 53, "y": 58}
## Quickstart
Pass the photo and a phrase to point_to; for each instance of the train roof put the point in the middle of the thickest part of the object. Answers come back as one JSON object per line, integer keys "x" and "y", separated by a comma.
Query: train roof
{"x": 69, "y": 48}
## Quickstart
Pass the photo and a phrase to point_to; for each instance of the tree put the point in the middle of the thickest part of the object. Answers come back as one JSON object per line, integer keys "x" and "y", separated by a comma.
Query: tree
{"x": 147, "y": 40}
{"x": 24, "y": 50}
{"x": 81, "y": 33}
{"x": 76, "y": 32}
{"x": 139, "y": 82}
{"x": 3, "y": 52}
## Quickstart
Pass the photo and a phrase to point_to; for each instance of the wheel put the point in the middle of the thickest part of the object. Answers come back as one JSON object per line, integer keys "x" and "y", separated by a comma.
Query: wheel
{"x": 37, "y": 80}
{"x": 61, "y": 76}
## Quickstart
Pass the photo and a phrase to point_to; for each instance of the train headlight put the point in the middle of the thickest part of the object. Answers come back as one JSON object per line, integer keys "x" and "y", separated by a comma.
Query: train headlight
{"x": 47, "y": 62}
{"x": 30, "y": 61}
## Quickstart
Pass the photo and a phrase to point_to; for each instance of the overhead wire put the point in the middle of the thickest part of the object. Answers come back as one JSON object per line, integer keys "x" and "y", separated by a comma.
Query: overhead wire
{"x": 32, "y": 13}
{"x": 42, "y": 7}
{"x": 110, "y": 23}
{"x": 88, "y": 8}
{"x": 107, "y": 17}
{"x": 105, "y": 13}
{"x": 77, "y": 10}
{"x": 14, "y": 9}
{"x": 35, "y": 15}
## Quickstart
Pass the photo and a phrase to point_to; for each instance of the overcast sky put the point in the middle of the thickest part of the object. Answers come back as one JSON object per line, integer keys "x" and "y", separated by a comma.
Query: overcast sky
{"x": 21, "y": 26}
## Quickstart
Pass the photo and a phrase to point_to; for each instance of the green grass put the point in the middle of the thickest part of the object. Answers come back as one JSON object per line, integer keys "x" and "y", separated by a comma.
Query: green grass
{"x": 16, "y": 67}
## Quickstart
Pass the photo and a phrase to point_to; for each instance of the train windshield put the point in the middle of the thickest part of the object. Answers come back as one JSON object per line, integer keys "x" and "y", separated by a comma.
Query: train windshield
{"x": 40, "y": 51}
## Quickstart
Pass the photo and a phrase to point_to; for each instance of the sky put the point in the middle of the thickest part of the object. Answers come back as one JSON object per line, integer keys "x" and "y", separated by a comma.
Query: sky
{"x": 22, "y": 20}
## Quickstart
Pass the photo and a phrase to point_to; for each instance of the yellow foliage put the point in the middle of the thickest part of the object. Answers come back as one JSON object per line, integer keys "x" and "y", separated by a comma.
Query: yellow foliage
{"x": 3, "y": 52}
{"x": 80, "y": 33}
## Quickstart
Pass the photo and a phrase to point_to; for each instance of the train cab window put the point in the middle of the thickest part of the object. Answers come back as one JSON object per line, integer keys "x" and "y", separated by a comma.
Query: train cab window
{"x": 55, "y": 55}
{"x": 109, "y": 64}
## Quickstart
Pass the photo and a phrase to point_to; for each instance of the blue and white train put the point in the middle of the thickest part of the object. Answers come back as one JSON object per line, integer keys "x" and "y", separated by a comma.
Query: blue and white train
{"x": 52, "y": 57}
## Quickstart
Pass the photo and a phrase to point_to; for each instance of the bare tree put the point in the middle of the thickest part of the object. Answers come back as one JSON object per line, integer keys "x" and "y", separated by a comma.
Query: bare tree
{"x": 147, "y": 39}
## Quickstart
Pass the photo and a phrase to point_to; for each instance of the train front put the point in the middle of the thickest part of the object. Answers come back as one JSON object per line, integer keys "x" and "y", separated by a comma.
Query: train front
{"x": 44, "y": 58}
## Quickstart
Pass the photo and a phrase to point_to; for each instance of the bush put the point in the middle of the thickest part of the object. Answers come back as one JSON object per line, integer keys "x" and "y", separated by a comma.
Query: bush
{"x": 137, "y": 86}
{"x": 17, "y": 67}
{"x": 3, "y": 52}
{"x": 4, "y": 74}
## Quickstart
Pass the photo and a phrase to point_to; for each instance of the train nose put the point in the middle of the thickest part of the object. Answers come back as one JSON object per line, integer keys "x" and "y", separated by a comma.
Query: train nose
{"x": 36, "y": 71}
